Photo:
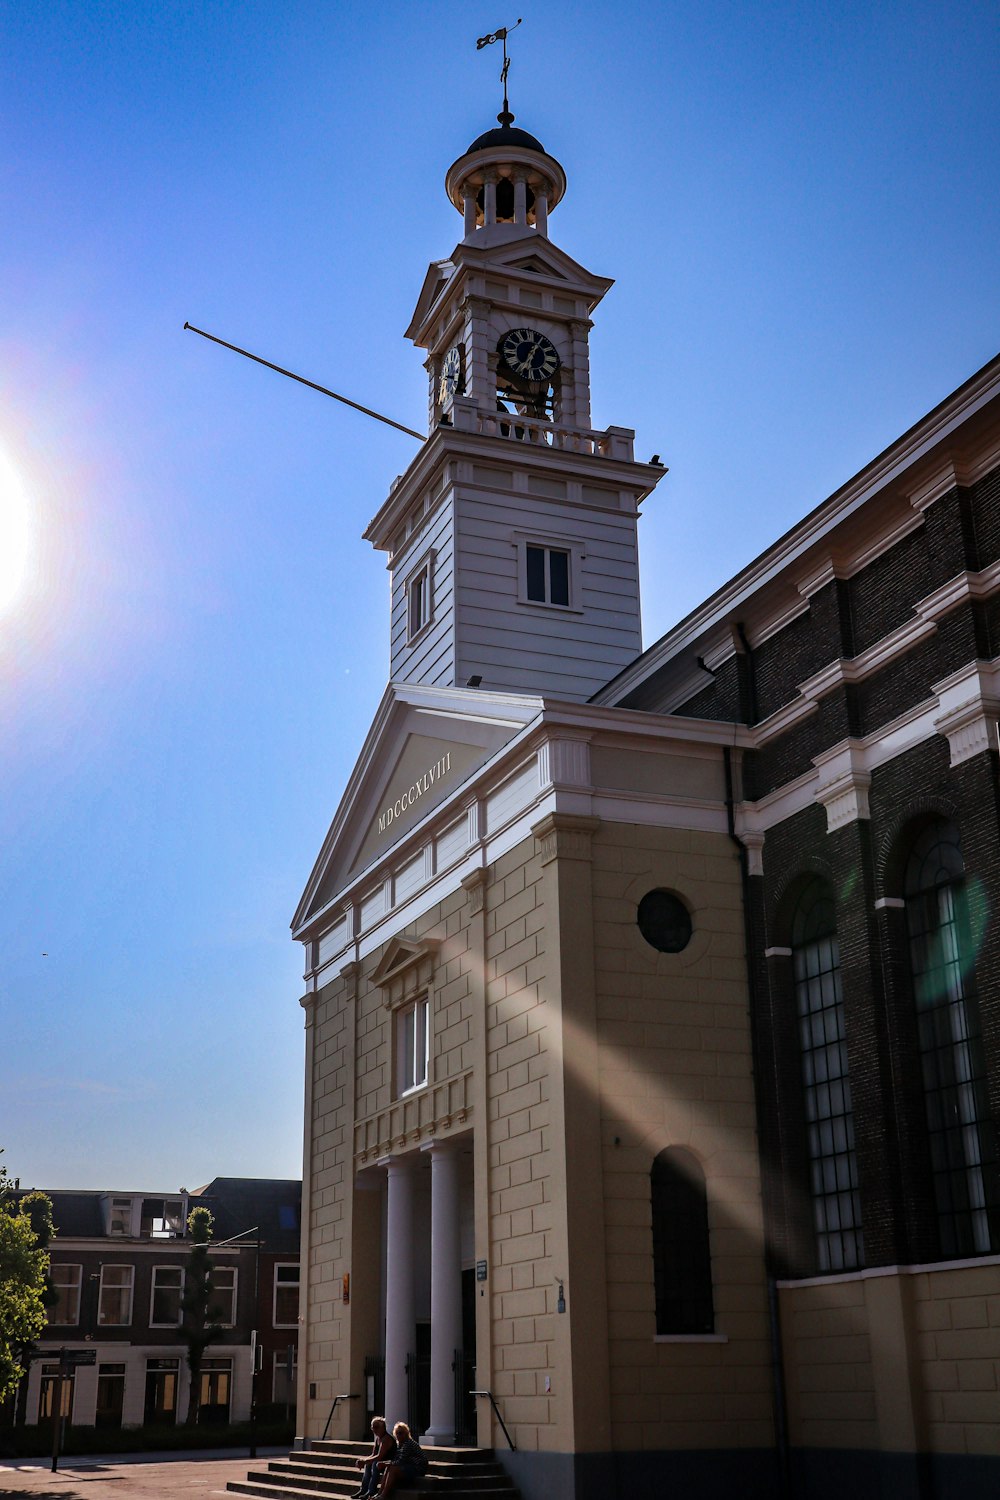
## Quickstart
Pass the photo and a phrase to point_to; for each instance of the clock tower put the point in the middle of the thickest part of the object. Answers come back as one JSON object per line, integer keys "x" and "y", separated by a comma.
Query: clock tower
{"x": 512, "y": 536}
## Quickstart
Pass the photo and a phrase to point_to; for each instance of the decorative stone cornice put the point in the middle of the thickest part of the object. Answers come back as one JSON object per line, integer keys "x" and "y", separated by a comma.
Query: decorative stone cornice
{"x": 564, "y": 836}
{"x": 971, "y": 728}
{"x": 405, "y": 969}
{"x": 564, "y": 760}
{"x": 753, "y": 843}
{"x": 474, "y": 885}
{"x": 844, "y": 783}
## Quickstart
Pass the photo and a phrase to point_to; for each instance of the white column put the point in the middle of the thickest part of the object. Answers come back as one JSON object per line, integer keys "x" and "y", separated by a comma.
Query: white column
{"x": 469, "y": 204}
{"x": 520, "y": 199}
{"x": 490, "y": 198}
{"x": 542, "y": 210}
{"x": 400, "y": 1303}
{"x": 446, "y": 1290}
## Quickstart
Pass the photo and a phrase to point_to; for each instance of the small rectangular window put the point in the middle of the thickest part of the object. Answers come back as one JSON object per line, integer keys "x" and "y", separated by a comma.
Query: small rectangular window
{"x": 165, "y": 1303}
{"x": 286, "y": 1296}
{"x": 121, "y": 1216}
{"x": 114, "y": 1307}
{"x": 546, "y": 575}
{"x": 66, "y": 1282}
{"x": 412, "y": 1038}
{"x": 222, "y": 1303}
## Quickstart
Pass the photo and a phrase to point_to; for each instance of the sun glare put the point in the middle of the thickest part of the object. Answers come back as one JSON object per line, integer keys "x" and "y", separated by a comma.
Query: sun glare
{"x": 14, "y": 533}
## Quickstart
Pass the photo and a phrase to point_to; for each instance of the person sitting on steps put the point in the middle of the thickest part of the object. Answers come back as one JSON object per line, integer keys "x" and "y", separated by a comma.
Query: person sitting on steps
{"x": 409, "y": 1464}
{"x": 383, "y": 1449}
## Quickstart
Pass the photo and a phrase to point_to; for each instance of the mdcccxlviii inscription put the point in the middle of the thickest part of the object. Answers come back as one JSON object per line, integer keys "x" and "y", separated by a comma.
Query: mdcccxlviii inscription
{"x": 414, "y": 792}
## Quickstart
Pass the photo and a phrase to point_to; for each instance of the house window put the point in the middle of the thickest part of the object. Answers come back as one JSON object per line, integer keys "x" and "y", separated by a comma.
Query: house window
{"x": 286, "y": 1296}
{"x": 547, "y": 572}
{"x": 411, "y": 1046}
{"x": 419, "y": 599}
{"x": 948, "y": 1040}
{"x": 161, "y": 1390}
{"x": 833, "y": 1167}
{"x": 165, "y": 1302}
{"x": 285, "y": 1370}
{"x": 162, "y": 1219}
{"x": 682, "y": 1266}
{"x": 110, "y": 1396}
{"x": 114, "y": 1308}
{"x": 121, "y": 1216}
{"x": 222, "y": 1303}
{"x": 66, "y": 1282}
{"x": 47, "y": 1394}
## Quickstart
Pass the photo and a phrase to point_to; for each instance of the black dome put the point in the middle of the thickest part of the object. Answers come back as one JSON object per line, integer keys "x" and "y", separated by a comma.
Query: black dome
{"x": 506, "y": 135}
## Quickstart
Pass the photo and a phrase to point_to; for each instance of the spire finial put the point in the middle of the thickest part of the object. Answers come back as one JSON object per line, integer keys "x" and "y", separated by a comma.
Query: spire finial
{"x": 505, "y": 117}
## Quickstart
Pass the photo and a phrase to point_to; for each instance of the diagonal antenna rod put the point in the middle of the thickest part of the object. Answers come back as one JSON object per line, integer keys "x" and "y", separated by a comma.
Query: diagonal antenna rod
{"x": 323, "y": 390}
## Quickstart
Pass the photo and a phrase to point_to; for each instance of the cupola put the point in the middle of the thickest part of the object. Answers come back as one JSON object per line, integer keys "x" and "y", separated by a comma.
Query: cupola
{"x": 505, "y": 178}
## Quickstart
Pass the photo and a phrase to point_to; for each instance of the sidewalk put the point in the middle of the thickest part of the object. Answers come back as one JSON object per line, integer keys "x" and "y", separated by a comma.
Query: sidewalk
{"x": 130, "y": 1476}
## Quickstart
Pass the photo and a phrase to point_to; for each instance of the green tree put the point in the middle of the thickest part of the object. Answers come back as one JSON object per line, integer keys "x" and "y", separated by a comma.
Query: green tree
{"x": 25, "y": 1289}
{"x": 199, "y": 1327}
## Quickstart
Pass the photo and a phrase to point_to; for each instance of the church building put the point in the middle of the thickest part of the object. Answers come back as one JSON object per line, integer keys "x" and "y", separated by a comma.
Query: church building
{"x": 652, "y": 998}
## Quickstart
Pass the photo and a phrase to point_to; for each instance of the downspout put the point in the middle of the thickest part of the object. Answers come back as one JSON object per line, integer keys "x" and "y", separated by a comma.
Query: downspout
{"x": 774, "y": 1321}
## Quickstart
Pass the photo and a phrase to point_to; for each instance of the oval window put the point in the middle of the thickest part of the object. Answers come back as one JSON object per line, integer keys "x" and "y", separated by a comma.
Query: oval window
{"x": 664, "y": 921}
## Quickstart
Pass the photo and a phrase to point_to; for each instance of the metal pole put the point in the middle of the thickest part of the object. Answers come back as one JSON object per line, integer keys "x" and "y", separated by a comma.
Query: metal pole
{"x": 57, "y": 1411}
{"x": 256, "y": 1348}
{"x": 323, "y": 390}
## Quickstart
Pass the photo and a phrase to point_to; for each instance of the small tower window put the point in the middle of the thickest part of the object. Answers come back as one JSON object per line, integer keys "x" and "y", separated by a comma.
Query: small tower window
{"x": 419, "y": 597}
{"x": 547, "y": 575}
{"x": 682, "y": 1264}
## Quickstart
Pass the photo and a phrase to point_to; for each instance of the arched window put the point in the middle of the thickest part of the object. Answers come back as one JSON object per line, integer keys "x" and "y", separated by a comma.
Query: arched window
{"x": 682, "y": 1265}
{"x": 951, "y": 1054}
{"x": 833, "y": 1168}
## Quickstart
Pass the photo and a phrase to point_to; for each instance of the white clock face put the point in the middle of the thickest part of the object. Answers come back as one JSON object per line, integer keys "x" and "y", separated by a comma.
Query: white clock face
{"x": 451, "y": 373}
{"x": 528, "y": 355}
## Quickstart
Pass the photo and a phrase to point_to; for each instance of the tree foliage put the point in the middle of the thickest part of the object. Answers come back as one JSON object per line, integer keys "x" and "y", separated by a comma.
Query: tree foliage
{"x": 25, "y": 1290}
{"x": 199, "y": 1313}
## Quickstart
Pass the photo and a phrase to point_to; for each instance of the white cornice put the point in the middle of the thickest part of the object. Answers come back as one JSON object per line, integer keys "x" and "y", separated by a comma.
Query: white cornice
{"x": 885, "y": 474}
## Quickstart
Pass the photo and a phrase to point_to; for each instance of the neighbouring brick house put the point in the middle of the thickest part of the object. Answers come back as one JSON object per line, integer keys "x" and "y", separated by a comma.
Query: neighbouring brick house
{"x": 653, "y": 998}
{"x": 117, "y": 1263}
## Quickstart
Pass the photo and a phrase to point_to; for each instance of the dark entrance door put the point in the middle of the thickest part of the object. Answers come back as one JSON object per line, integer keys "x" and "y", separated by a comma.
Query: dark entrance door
{"x": 161, "y": 1391}
{"x": 110, "y": 1396}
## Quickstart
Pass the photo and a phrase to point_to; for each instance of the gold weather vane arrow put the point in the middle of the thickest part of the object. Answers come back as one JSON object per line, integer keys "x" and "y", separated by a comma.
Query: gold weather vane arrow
{"x": 501, "y": 35}
{"x": 323, "y": 390}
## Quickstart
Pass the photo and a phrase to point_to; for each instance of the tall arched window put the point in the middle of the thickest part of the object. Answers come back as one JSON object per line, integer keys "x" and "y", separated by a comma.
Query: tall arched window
{"x": 833, "y": 1168}
{"x": 682, "y": 1265}
{"x": 951, "y": 1053}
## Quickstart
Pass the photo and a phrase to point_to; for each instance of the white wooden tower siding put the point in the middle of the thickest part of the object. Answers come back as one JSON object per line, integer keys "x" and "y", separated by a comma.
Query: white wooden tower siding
{"x": 511, "y": 537}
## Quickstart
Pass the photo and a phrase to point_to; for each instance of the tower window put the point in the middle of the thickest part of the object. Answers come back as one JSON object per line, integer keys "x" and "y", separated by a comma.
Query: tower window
{"x": 547, "y": 575}
{"x": 411, "y": 1046}
{"x": 419, "y": 597}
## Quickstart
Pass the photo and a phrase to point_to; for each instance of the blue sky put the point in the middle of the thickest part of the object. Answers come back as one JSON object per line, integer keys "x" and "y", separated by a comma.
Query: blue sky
{"x": 799, "y": 205}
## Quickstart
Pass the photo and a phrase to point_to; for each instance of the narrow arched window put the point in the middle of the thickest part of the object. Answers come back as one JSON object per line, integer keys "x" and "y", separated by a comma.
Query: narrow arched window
{"x": 682, "y": 1265}
{"x": 833, "y": 1168}
{"x": 951, "y": 1054}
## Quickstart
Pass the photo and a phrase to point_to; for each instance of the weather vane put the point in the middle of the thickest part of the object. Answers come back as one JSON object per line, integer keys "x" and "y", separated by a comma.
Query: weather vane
{"x": 501, "y": 36}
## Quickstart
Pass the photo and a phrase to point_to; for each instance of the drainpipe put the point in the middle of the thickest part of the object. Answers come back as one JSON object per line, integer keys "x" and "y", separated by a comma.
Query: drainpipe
{"x": 774, "y": 1324}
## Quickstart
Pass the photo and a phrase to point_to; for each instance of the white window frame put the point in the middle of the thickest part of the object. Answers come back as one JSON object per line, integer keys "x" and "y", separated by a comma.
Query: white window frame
{"x": 232, "y": 1308}
{"x": 285, "y": 1265}
{"x": 62, "y": 1287}
{"x": 116, "y": 1207}
{"x": 280, "y": 1368}
{"x": 154, "y": 1323}
{"x": 408, "y": 1063}
{"x": 575, "y": 552}
{"x": 421, "y": 573}
{"x": 116, "y": 1286}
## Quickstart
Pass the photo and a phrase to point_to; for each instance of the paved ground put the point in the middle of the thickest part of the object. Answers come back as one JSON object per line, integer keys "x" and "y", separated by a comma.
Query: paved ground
{"x": 145, "y": 1476}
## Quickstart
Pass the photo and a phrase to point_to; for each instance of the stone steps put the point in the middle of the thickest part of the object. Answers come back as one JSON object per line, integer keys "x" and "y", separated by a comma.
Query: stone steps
{"x": 328, "y": 1469}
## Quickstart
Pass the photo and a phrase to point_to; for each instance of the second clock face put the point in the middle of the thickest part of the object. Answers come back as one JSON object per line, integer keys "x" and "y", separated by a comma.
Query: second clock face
{"x": 528, "y": 355}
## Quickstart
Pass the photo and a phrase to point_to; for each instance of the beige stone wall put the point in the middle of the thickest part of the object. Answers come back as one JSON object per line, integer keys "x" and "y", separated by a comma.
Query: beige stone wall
{"x": 521, "y": 1158}
{"x": 898, "y": 1361}
{"x": 675, "y": 1070}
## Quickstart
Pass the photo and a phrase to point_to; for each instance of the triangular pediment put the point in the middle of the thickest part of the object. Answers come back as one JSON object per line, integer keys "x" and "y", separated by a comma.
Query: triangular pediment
{"x": 401, "y": 955}
{"x": 438, "y": 273}
{"x": 423, "y": 747}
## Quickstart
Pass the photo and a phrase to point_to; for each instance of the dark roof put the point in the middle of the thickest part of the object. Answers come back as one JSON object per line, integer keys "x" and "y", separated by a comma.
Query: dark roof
{"x": 76, "y": 1215}
{"x": 507, "y": 135}
{"x": 241, "y": 1203}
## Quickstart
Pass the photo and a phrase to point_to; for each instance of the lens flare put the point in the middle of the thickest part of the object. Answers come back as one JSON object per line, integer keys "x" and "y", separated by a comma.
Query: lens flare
{"x": 15, "y": 534}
